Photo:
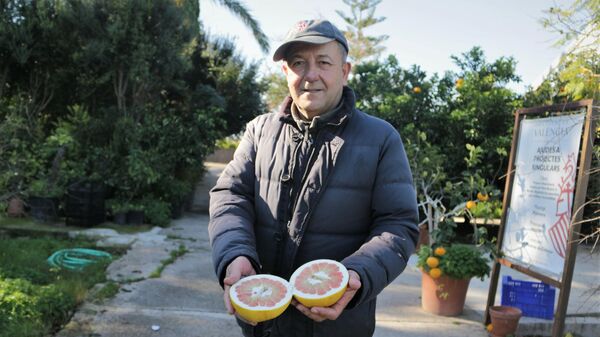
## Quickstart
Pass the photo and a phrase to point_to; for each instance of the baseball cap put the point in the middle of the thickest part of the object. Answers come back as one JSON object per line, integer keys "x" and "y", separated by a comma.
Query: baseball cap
{"x": 311, "y": 31}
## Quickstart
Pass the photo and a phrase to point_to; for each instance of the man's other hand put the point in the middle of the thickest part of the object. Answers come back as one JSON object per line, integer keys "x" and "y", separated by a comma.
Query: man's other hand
{"x": 320, "y": 314}
{"x": 238, "y": 268}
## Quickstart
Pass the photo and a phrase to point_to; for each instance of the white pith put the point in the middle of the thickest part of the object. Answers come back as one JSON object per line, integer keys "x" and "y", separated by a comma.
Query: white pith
{"x": 265, "y": 292}
{"x": 321, "y": 275}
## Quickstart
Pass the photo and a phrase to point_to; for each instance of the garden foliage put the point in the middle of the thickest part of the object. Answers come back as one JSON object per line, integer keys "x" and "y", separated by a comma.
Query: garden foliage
{"x": 456, "y": 127}
{"x": 36, "y": 299}
{"x": 132, "y": 94}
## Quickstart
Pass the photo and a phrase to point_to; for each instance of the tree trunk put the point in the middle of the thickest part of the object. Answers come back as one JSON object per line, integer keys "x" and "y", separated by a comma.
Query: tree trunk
{"x": 120, "y": 87}
{"x": 3, "y": 76}
{"x": 40, "y": 93}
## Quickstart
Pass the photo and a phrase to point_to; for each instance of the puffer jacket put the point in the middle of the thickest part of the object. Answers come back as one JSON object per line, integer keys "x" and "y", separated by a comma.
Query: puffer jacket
{"x": 355, "y": 203}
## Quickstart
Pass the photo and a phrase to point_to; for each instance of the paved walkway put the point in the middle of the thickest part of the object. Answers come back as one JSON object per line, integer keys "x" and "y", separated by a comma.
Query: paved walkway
{"x": 186, "y": 300}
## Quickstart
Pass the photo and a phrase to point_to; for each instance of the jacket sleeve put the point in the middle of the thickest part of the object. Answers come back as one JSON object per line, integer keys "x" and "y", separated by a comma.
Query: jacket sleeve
{"x": 231, "y": 225}
{"x": 394, "y": 231}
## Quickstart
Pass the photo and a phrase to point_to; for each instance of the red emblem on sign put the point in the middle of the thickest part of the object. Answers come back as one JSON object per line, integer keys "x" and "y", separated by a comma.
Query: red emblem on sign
{"x": 559, "y": 232}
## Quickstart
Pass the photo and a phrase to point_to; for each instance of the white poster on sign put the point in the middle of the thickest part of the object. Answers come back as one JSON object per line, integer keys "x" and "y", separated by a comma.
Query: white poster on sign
{"x": 537, "y": 223}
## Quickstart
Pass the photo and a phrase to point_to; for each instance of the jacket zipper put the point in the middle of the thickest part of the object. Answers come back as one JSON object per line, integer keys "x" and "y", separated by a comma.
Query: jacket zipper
{"x": 309, "y": 165}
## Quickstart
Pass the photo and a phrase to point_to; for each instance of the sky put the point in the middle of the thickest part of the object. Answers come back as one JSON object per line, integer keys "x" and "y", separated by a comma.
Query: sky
{"x": 425, "y": 33}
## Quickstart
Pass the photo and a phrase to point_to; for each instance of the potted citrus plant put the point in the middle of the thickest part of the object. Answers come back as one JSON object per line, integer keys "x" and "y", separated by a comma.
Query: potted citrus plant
{"x": 484, "y": 210}
{"x": 448, "y": 266}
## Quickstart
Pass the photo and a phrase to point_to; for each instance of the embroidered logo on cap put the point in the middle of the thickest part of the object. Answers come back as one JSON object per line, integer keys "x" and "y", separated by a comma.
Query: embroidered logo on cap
{"x": 301, "y": 26}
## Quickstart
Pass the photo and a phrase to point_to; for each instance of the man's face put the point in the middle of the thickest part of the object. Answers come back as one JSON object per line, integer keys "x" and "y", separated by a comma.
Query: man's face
{"x": 316, "y": 76}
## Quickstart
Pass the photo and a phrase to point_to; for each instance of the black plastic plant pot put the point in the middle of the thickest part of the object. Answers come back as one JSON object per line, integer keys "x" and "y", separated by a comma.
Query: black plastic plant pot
{"x": 120, "y": 218}
{"x": 135, "y": 217}
{"x": 43, "y": 209}
{"x": 84, "y": 204}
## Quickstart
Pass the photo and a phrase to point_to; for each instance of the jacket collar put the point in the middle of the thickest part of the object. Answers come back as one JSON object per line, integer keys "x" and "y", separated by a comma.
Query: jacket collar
{"x": 345, "y": 111}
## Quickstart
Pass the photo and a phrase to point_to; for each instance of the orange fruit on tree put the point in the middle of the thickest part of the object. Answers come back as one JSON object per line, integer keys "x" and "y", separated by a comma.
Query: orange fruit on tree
{"x": 433, "y": 262}
{"x": 417, "y": 90}
{"x": 440, "y": 251}
{"x": 459, "y": 83}
{"x": 482, "y": 196}
{"x": 471, "y": 204}
{"x": 435, "y": 273}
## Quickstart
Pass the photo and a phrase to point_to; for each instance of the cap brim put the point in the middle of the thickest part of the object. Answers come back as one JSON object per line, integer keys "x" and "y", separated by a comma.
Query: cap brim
{"x": 312, "y": 39}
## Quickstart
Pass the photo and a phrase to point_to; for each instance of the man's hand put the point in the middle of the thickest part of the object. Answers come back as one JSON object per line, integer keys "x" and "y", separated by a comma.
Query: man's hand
{"x": 237, "y": 269}
{"x": 319, "y": 314}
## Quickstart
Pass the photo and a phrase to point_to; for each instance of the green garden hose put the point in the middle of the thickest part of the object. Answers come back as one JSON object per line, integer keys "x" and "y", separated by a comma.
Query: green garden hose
{"x": 77, "y": 258}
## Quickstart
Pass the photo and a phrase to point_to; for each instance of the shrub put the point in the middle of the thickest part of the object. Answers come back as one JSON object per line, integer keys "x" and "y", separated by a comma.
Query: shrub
{"x": 41, "y": 307}
{"x": 228, "y": 143}
{"x": 36, "y": 299}
{"x": 157, "y": 212}
{"x": 460, "y": 261}
{"x": 487, "y": 209}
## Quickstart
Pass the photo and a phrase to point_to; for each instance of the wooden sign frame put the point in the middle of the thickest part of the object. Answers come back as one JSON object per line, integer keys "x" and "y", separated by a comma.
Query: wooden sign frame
{"x": 583, "y": 172}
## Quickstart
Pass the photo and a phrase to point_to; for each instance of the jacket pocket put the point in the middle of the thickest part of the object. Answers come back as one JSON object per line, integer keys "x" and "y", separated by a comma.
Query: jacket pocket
{"x": 268, "y": 243}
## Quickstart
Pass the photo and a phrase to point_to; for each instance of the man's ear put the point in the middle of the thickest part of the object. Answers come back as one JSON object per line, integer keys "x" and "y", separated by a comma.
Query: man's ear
{"x": 284, "y": 68}
{"x": 346, "y": 68}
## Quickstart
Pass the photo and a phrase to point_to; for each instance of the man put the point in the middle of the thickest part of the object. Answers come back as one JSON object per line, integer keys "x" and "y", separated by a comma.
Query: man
{"x": 318, "y": 179}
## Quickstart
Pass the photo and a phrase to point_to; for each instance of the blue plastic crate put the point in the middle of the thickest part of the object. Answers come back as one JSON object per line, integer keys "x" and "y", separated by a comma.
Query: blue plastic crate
{"x": 535, "y": 299}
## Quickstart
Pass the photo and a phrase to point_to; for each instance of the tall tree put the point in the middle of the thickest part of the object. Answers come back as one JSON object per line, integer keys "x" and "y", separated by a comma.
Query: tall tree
{"x": 579, "y": 29}
{"x": 576, "y": 77}
{"x": 243, "y": 13}
{"x": 481, "y": 113}
{"x": 579, "y": 23}
{"x": 277, "y": 89}
{"x": 362, "y": 16}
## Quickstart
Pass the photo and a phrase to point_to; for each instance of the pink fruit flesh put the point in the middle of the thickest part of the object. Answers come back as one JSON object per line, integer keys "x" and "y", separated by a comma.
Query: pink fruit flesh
{"x": 261, "y": 292}
{"x": 320, "y": 284}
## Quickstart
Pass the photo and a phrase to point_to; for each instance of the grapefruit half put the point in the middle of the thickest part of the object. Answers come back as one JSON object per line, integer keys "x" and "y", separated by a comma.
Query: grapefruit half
{"x": 319, "y": 283}
{"x": 260, "y": 297}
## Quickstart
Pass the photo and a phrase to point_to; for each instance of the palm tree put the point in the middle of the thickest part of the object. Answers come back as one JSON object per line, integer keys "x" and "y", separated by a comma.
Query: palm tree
{"x": 241, "y": 11}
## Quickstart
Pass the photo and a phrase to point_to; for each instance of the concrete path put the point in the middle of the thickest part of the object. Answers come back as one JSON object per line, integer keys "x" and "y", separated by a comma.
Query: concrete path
{"x": 186, "y": 300}
{"x": 200, "y": 201}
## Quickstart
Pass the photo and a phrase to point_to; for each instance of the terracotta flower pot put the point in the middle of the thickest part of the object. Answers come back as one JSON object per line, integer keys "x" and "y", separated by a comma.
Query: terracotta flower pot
{"x": 505, "y": 320}
{"x": 16, "y": 207}
{"x": 443, "y": 296}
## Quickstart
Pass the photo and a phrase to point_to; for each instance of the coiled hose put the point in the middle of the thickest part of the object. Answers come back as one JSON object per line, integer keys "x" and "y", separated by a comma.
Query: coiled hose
{"x": 77, "y": 258}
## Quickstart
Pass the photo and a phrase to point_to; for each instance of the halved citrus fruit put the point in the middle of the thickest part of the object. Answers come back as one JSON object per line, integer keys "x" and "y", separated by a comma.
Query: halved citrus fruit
{"x": 319, "y": 283}
{"x": 260, "y": 297}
